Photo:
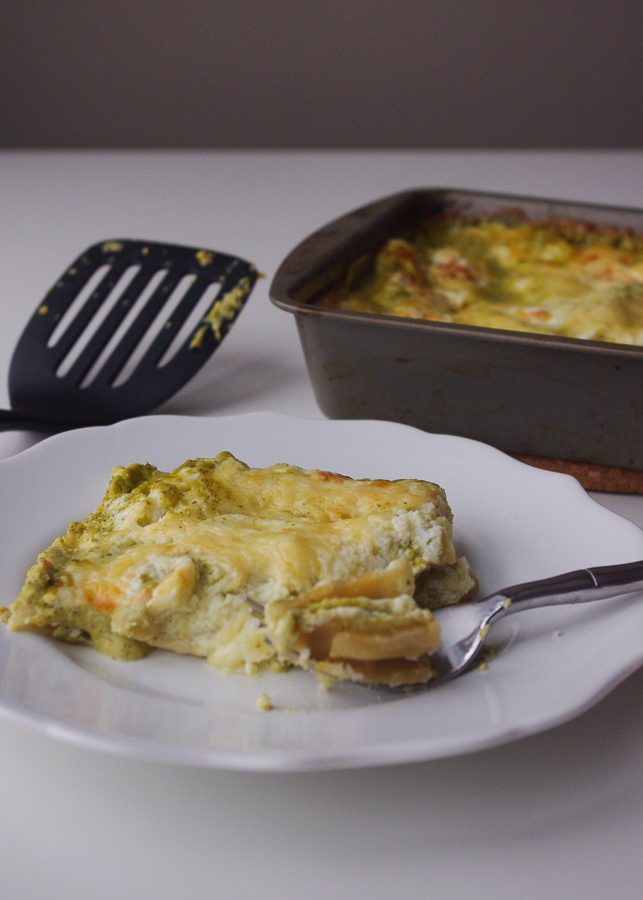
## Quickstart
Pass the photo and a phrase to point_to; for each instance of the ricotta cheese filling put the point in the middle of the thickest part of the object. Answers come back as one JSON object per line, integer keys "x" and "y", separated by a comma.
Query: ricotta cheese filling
{"x": 343, "y": 570}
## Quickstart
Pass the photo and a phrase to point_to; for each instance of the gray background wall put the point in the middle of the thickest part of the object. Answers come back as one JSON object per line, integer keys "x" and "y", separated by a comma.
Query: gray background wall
{"x": 321, "y": 73}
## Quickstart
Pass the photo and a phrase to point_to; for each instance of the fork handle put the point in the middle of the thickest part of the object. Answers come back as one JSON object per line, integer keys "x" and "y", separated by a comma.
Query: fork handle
{"x": 580, "y": 586}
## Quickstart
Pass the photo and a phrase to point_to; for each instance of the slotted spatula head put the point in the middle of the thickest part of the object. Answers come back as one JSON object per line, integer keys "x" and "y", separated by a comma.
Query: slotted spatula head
{"x": 126, "y": 326}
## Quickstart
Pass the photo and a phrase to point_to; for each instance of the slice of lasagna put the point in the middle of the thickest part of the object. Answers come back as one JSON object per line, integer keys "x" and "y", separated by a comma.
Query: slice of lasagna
{"x": 333, "y": 563}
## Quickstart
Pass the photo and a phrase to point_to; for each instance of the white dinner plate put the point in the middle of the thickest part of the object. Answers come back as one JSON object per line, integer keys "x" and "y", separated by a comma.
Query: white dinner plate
{"x": 513, "y": 522}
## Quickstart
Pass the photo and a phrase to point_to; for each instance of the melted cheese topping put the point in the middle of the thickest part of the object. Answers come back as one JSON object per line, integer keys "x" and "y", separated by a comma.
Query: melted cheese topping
{"x": 169, "y": 560}
{"x": 562, "y": 278}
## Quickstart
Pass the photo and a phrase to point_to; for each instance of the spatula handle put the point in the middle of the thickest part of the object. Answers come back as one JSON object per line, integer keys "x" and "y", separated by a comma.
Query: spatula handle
{"x": 12, "y": 420}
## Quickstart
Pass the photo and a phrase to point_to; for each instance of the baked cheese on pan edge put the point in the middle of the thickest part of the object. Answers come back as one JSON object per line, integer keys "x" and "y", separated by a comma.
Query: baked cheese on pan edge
{"x": 345, "y": 570}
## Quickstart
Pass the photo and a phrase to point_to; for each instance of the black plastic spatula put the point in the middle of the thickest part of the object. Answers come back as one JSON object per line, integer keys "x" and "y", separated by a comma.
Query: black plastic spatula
{"x": 126, "y": 326}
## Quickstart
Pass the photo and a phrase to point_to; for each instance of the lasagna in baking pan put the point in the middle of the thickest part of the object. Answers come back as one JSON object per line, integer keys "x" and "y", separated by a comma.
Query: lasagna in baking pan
{"x": 344, "y": 571}
{"x": 558, "y": 277}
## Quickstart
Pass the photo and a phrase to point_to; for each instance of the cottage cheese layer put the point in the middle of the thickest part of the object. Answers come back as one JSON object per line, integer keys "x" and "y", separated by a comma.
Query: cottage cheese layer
{"x": 170, "y": 559}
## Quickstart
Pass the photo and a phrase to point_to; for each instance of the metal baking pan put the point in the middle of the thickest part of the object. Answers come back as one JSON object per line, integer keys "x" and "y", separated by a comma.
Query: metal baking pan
{"x": 528, "y": 394}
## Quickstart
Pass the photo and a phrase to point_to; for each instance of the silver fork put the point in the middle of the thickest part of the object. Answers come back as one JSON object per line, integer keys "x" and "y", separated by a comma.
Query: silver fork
{"x": 464, "y": 628}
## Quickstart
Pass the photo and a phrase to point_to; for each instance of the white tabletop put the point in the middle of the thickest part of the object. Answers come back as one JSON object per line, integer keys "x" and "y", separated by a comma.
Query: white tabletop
{"x": 551, "y": 816}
